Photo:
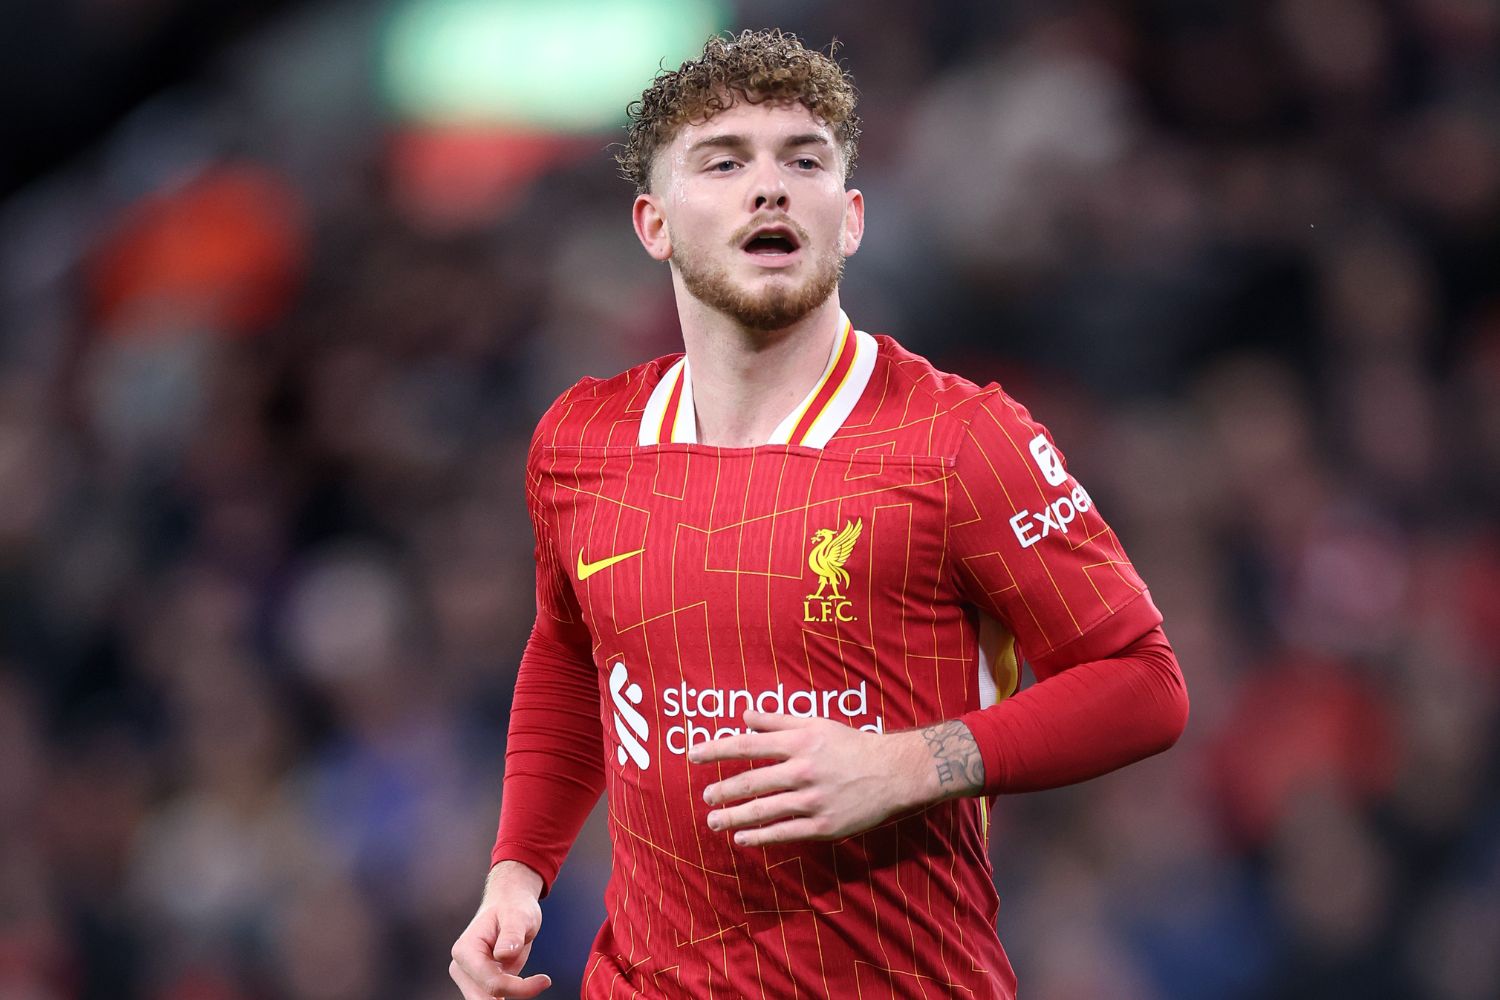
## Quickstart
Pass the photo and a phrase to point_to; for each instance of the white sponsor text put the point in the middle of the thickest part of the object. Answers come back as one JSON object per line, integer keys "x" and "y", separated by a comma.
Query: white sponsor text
{"x": 1031, "y": 527}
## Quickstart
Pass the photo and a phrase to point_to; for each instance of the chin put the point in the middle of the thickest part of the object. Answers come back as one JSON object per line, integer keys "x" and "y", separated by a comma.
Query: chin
{"x": 777, "y": 304}
{"x": 768, "y": 301}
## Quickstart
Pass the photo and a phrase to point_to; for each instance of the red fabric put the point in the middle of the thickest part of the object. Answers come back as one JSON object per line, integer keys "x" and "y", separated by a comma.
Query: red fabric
{"x": 554, "y": 758}
{"x": 710, "y": 597}
{"x": 830, "y": 387}
{"x": 1031, "y": 548}
{"x": 1085, "y": 720}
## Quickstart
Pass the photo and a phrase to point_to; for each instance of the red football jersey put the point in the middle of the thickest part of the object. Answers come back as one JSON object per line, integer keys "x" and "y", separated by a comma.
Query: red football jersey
{"x": 881, "y": 562}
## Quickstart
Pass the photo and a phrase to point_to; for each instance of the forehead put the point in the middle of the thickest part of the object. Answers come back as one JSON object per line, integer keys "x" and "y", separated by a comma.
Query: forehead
{"x": 769, "y": 123}
{"x": 769, "y": 120}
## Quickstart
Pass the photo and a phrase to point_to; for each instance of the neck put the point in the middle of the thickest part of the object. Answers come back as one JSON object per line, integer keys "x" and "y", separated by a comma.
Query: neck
{"x": 746, "y": 381}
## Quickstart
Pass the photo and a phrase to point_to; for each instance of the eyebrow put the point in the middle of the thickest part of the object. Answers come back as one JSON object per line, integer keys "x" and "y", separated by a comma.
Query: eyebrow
{"x": 731, "y": 141}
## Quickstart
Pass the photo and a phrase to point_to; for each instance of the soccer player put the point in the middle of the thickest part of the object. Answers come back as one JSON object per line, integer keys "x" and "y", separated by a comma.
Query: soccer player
{"x": 784, "y": 582}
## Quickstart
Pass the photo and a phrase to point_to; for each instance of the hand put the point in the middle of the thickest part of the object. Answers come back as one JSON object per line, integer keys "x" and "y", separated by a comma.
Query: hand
{"x": 830, "y": 780}
{"x": 489, "y": 955}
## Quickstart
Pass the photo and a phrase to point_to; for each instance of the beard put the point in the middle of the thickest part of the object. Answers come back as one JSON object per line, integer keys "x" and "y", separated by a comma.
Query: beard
{"x": 775, "y": 307}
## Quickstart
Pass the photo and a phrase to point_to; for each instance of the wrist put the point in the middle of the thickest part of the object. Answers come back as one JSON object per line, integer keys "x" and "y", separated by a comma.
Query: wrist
{"x": 912, "y": 760}
{"x": 509, "y": 877}
{"x": 949, "y": 764}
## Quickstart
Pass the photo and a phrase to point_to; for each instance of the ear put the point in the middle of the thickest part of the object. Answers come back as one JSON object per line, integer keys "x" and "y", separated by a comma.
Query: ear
{"x": 651, "y": 226}
{"x": 853, "y": 230}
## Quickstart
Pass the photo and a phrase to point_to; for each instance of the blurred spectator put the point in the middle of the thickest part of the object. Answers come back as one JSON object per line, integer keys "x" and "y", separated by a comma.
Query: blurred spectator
{"x": 270, "y": 360}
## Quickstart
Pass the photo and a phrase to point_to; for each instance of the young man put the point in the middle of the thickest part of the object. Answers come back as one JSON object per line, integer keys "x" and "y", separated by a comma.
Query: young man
{"x": 783, "y": 584}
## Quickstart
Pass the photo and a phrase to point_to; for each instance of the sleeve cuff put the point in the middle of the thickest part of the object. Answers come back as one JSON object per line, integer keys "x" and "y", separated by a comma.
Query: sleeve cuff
{"x": 988, "y": 736}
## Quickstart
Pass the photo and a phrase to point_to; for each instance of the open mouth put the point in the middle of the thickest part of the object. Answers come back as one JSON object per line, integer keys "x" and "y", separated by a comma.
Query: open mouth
{"x": 774, "y": 241}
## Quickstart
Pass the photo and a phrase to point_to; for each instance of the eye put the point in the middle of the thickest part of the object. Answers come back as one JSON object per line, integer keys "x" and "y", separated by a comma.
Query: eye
{"x": 805, "y": 163}
{"x": 723, "y": 166}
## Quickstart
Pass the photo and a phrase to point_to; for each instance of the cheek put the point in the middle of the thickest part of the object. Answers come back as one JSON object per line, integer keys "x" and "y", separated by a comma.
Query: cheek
{"x": 691, "y": 195}
{"x": 837, "y": 225}
{"x": 690, "y": 221}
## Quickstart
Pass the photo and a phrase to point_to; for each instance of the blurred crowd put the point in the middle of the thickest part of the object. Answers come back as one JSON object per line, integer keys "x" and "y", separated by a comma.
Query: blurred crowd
{"x": 269, "y": 362}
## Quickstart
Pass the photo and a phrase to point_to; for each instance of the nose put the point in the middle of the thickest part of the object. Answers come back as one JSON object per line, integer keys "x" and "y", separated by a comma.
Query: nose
{"x": 770, "y": 199}
{"x": 769, "y": 191}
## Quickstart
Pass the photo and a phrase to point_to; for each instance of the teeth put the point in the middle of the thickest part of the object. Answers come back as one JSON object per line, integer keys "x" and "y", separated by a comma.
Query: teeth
{"x": 770, "y": 244}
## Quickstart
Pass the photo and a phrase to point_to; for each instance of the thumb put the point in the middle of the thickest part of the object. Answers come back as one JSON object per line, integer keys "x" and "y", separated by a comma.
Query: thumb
{"x": 509, "y": 939}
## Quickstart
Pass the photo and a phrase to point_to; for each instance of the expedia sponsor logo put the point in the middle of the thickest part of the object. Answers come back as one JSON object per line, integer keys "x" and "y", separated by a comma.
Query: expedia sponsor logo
{"x": 1033, "y": 526}
{"x": 1048, "y": 460}
{"x": 830, "y": 550}
{"x": 630, "y": 725}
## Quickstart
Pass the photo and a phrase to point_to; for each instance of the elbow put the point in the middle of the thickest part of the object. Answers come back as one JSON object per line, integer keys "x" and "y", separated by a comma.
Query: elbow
{"x": 1162, "y": 693}
{"x": 1175, "y": 715}
{"x": 1171, "y": 701}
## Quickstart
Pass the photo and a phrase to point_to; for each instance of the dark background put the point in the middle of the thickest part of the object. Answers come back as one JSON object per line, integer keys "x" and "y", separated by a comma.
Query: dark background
{"x": 271, "y": 350}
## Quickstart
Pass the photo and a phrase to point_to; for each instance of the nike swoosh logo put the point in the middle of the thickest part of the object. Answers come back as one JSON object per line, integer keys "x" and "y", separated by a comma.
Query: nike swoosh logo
{"x": 586, "y": 570}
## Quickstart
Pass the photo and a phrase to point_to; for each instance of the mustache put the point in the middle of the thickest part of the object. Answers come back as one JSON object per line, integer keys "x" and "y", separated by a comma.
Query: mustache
{"x": 743, "y": 233}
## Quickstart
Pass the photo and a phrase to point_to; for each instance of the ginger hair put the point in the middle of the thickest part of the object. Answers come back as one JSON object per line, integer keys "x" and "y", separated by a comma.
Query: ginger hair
{"x": 753, "y": 66}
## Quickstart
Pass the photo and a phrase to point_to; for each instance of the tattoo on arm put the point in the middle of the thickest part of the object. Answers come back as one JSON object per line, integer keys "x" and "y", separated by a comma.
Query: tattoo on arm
{"x": 960, "y": 768}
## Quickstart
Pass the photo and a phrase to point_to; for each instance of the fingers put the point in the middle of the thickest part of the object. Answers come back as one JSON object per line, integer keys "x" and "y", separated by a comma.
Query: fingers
{"x": 768, "y": 745}
{"x": 466, "y": 986}
{"x": 471, "y": 957}
{"x": 512, "y": 946}
{"x": 485, "y": 971}
{"x": 760, "y": 811}
{"x": 528, "y": 987}
{"x": 497, "y": 985}
{"x": 775, "y": 722}
{"x": 785, "y": 832}
{"x": 758, "y": 781}
{"x": 813, "y": 792}
{"x": 513, "y": 962}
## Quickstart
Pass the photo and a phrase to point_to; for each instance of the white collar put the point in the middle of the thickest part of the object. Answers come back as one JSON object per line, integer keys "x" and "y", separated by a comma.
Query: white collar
{"x": 669, "y": 417}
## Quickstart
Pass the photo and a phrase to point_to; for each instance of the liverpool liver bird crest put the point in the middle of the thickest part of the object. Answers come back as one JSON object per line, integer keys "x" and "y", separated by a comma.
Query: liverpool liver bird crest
{"x": 829, "y": 553}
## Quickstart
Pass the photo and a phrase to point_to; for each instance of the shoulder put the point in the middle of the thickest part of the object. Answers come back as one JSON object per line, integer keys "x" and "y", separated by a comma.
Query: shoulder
{"x": 923, "y": 407}
{"x": 946, "y": 389}
{"x": 596, "y": 412}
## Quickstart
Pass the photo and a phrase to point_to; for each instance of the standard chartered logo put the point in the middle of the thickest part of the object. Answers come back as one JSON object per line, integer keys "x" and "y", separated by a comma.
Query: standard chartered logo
{"x": 702, "y": 709}
{"x": 630, "y": 725}
{"x": 708, "y": 713}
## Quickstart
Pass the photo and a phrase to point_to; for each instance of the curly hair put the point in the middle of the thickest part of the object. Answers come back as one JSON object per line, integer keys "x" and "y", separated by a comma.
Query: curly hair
{"x": 754, "y": 66}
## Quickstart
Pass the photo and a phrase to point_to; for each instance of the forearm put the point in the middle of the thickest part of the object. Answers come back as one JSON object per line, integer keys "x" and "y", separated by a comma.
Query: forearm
{"x": 1082, "y": 722}
{"x": 935, "y": 763}
{"x": 554, "y": 760}
{"x": 827, "y": 781}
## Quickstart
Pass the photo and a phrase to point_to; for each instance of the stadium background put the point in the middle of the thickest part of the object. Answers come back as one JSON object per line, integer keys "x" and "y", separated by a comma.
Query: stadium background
{"x": 283, "y": 287}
